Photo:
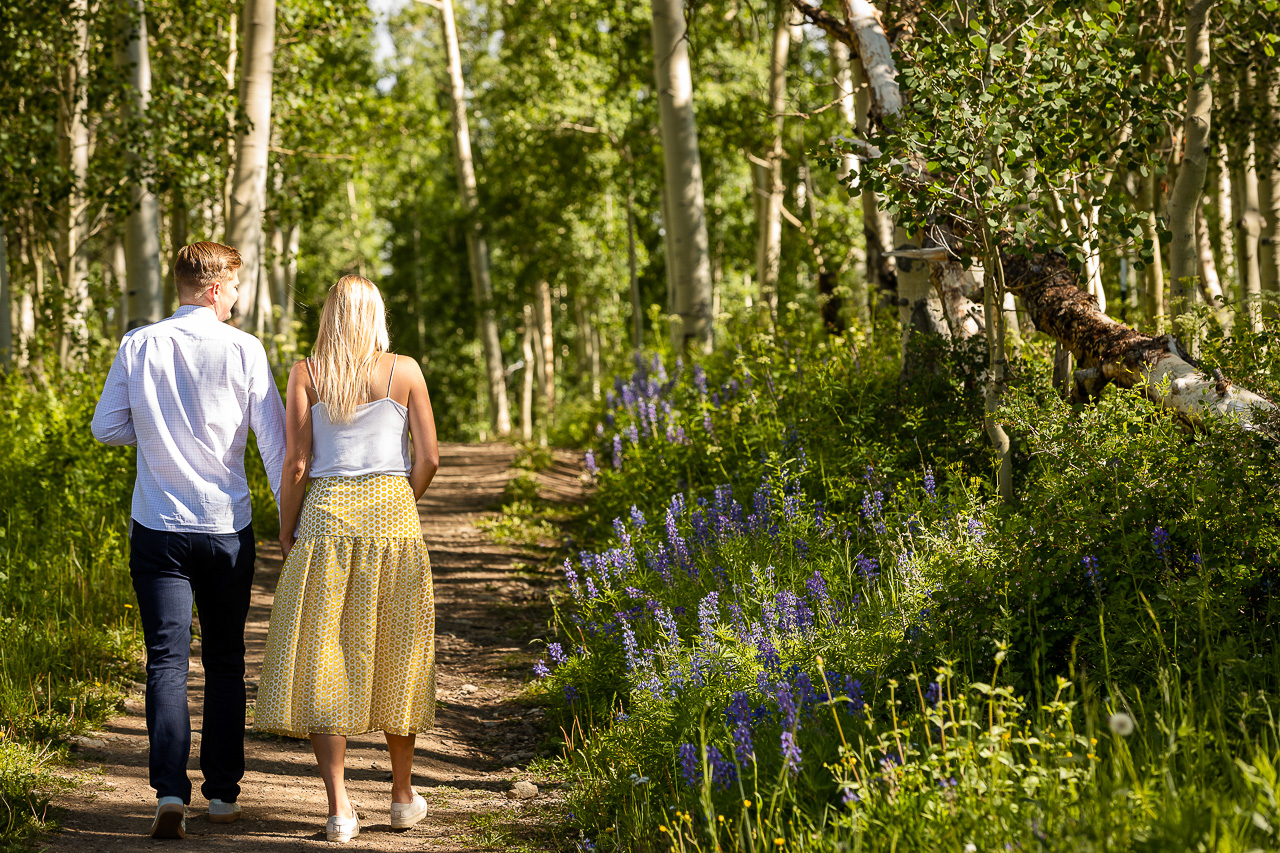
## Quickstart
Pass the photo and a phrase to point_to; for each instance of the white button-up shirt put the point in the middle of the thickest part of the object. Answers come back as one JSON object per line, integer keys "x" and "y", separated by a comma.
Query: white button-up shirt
{"x": 186, "y": 391}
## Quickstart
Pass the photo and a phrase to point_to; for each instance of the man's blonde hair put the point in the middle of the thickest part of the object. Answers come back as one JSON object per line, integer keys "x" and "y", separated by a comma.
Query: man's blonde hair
{"x": 352, "y": 335}
{"x": 200, "y": 265}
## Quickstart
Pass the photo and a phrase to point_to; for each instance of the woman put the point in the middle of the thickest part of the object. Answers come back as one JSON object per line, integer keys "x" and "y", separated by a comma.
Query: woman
{"x": 351, "y": 644}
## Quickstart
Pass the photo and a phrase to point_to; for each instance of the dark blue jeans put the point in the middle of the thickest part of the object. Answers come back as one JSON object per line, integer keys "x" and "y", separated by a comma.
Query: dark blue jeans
{"x": 215, "y": 572}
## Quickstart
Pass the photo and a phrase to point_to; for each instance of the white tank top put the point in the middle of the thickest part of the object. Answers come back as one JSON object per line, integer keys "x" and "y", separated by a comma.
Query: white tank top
{"x": 376, "y": 441}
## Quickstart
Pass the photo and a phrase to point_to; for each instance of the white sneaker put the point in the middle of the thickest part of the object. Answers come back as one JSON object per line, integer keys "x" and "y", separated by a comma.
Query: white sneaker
{"x": 342, "y": 829}
{"x": 171, "y": 819}
{"x": 405, "y": 815}
{"x": 222, "y": 812}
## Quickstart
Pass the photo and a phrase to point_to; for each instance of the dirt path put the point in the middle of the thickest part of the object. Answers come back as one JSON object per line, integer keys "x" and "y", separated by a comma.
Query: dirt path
{"x": 490, "y": 604}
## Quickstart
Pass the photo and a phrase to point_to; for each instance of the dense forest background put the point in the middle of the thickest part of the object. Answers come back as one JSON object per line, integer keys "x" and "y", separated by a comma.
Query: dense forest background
{"x": 922, "y": 357}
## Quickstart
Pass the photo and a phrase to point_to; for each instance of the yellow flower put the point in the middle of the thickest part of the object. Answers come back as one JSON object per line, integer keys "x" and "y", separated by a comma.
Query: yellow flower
{"x": 1090, "y": 756}
{"x": 746, "y": 804}
{"x": 128, "y": 607}
{"x": 720, "y": 818}
{"x": 662, "y": 828}
{"x": 779, "y": 842}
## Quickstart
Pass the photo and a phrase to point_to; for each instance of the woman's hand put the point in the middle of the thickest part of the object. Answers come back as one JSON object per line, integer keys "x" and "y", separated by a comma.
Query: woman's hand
{"x": 286, "y": 544}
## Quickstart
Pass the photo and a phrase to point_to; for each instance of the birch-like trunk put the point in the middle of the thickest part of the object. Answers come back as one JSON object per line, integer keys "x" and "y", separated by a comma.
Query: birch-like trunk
{"x": 6, "y": 307}
{"x": 477, "y": 247}
{"x": 118, "y": 270}
{"x": 1210, "y": 282}
{"x": 637, "y": 308}
{"x": 769, "y": 221}
{"x": 1269, "y": 190}
{"x": 179, "y": 222}
{"x": 546, "y": 350}
{"x": 253, "y": 141}
{"x": 1218, "y": 206}
{"x": 1184, "y": 201}
{"x": 1248, "y": 223}
{"x": 1154, "y": 269}
{"x": 73, "y": 156}
{"x": 688, "y": 255}
{"x": 848, "y": 76}
{"x": 526, "y": 391}
{"x": 145, "y": 285}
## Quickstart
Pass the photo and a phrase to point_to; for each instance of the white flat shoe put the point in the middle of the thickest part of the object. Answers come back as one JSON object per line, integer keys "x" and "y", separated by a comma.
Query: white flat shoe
{"x": 221, "y": 812}
{"x": 405, "y": 815}
{"x": 171, "y": 819}
{"x": 340, "y": 830}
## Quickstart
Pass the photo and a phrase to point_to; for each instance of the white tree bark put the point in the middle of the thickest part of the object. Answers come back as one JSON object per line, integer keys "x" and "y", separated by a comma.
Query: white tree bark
{"x": 73, "y": 155}
{"x": 253, "y": 141}
{"x": 1184, "y": 201}
{"x": 477, "y": 247}
{"x": 6, "y": 307}
{"x": 769, "y": 224}
{"x": 688, "y": 255}
{"x": 526, "y": 390}
{"x": 848, "y": 76}
{"x": 1269, "y": 190}
{"x": 546, "y": 350}
{"x": 1210, "y": 282}
{"x": 1248, "y": 222}
{"x": 145, "y": 283}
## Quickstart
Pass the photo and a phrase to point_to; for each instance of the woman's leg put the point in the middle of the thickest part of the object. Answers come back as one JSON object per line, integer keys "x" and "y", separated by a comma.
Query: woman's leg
{"x": 401, "y": 749}
{"x": 331, "y": 754}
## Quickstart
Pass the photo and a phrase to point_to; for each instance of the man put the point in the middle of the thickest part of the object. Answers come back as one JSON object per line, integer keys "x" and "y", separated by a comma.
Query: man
{"x": 186, "y": 391}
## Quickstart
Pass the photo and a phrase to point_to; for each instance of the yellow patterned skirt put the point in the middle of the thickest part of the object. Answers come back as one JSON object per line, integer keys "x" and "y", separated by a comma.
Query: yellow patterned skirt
{"x": 351, "y": 648}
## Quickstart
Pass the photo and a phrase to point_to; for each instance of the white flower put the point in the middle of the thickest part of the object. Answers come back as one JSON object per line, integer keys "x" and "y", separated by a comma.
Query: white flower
{"x": 971, "y": 848}
{"x": 1121, "y": 724}
{"x": 637, "y": 779}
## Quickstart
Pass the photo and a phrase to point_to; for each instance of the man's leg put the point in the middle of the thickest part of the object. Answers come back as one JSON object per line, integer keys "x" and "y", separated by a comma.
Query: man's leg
{"x": 222, "y": 584}
{"x": 156, "y": 563}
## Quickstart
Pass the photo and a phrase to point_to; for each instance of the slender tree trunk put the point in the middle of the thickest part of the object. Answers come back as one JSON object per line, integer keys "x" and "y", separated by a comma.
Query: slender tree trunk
{"x": 253, "y": 140}
{"x": 637, "y": 307}
{"x": 1184, "y": 201}
{"x": 1210, "y": 283}
{"x": 526, "y": 392}
{"x": 687, "y": 243}
{"x": 6, "y": 307}
{"x": 920, "y": 309}
{"x": 1269, "y": 190}
{"x": 1154, "y": 269}
{"x": 547, "y": 348}
{"x": 1249, "y": 216}
{"x": 229, "y": 75}
{"x": 73, "y": 156}
{"x": 846, "y": 73}
{"x": 118, "y": 267}
{"x": 993, "y": 299}
{"x": 477, "y": 247}
{"x": 419, "y": 315}
{"x": 179, "y": 219}
{"x": 142, "y": 225}
{"x": 769, "y": 222}
{"x": 595, "y": 360}
{"x": 1218, "y": 206}
{"x": 292, "y": 236}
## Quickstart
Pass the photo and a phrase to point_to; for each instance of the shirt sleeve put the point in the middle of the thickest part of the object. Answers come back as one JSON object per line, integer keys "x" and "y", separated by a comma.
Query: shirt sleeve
{"x": 113, "y": 417}
{"x": 266, "y": 418}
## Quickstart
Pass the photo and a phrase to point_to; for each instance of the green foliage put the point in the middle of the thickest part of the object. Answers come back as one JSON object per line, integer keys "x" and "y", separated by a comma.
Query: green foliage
{"x": 807, "y": 631}
{"x": 26, "y": 788}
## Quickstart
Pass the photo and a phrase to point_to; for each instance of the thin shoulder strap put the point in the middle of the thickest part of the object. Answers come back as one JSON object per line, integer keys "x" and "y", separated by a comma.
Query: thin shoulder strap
{"x": 394, "y": 359}
{"x": 314, "y": 386}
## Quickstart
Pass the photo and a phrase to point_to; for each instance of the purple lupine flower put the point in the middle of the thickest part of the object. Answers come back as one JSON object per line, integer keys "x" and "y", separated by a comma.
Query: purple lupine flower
{"x": 667, "y": 625}
{"x": 787, "y": 705}
{"x": 700, "y": 379}
{"x": 630, "y": 647}
{"x": 690, "y": 765}
{"x": 791, "y": 752}
{"x": 632, "y": 592}
{"x": 723, "y": 771}
{"x": 709, "y": 617}
{"x": 791, "y": 505}
{"x": 1091, "y": 568}
{"x": 556, "y": 651}
{"x": 654, "y": 685}
{"x": 572, "y": 578}
{"x": 853, "y": 689}
{"x": 849, "y": 797}
{"x": 1195, "y": 558}
{"x": 976, "y": 530}
{"x": 600, "y": 426}
{"x": 932, "y": 694}
{"x": 571, "y": 694}
{"x": 767, "y": 655}
{"x": 930, "y": 485}
{"x": 659, "y": 560}
{"x": 786, "y": 603}
{"x": 637, "y": 517}
{"x": 1160, "y": 542}
{"x": 592, "y": 592}
{"x": 540, "y": 669}
{"x": 633, "y": 435}
{"x": 617, "y": 451}
{"x": 590, "y": 462}
{"x": 738, "y": 716}
{"x": 817, "y": 586}
{"x": 708, "y": 426}
{"x": 870, "y": 474}
{"x": 868, "y": 567}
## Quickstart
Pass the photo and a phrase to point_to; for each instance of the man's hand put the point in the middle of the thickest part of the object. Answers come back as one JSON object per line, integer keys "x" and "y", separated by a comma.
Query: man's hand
{"x": 286, "y": 544}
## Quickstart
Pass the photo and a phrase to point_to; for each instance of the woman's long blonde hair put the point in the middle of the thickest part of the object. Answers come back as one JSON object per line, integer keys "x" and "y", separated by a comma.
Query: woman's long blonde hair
{"x": 353, "y": 334}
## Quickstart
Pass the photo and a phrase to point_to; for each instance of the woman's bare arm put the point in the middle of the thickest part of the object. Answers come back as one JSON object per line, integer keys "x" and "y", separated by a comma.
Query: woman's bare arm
{"x": 297, "y": 453}
{"x": 422, "y": 426}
